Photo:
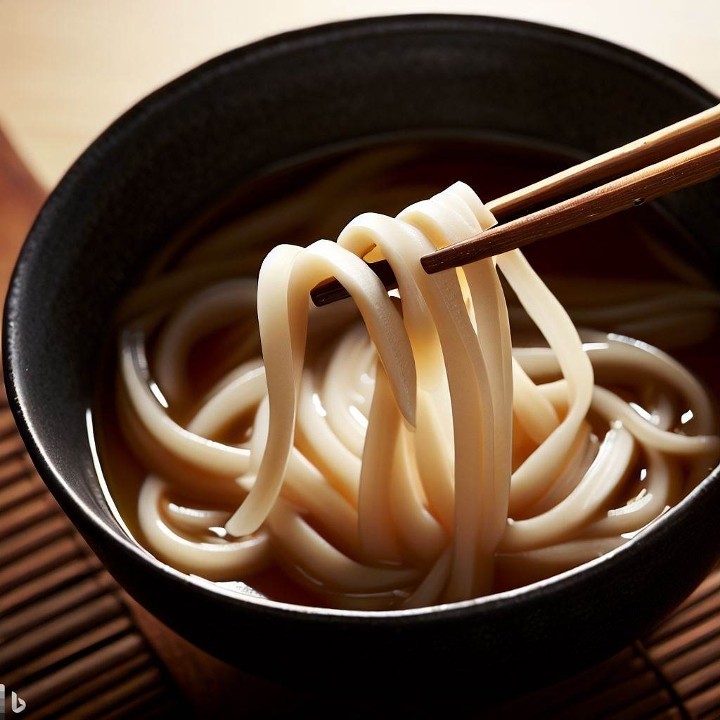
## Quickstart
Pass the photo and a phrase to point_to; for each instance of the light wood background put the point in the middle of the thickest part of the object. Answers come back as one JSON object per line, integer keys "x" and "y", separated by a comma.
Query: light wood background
{"x": 68, "y": 67}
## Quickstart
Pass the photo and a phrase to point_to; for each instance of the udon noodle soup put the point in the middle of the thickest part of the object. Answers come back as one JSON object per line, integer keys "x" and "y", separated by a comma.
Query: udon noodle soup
{"x": 473, "y": 431}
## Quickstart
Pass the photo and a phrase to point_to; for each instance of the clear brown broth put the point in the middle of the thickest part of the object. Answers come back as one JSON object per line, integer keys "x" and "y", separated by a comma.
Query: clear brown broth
{"x": 610, "y": 248}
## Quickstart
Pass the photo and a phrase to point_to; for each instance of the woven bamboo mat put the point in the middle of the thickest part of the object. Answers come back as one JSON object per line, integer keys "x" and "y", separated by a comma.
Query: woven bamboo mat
{"x": 68, "y": 645}
{"x": 672, "y": 674}
{"x": 72, "y": 645}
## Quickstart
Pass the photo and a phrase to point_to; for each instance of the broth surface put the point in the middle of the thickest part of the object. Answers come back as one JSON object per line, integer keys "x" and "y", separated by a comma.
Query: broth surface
{"x": 602, "y": 259}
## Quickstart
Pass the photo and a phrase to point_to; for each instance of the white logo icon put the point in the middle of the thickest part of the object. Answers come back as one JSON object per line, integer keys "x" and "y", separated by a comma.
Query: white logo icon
{"x": 17, "y": 704}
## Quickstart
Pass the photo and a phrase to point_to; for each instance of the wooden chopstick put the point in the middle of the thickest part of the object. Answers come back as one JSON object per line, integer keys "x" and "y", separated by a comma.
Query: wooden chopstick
{"x": 667, "y": 145}
{"x": 679, "y": 171}
{"x": 659, "y": 145}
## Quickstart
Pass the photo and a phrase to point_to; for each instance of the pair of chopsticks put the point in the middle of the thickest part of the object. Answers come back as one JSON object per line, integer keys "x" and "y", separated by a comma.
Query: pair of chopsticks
{"x": 675, "y": 157}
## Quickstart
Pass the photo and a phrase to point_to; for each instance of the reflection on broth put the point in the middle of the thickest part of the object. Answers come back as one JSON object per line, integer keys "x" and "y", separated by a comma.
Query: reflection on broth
{"x": 417, "y": 458}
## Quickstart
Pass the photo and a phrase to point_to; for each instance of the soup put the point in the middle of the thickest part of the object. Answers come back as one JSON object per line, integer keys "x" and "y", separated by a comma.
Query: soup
{"x": 398, "y": 542}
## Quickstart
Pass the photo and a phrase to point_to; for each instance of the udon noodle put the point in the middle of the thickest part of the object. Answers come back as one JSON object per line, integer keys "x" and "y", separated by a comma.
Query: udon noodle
{"x": 396, "y": 450}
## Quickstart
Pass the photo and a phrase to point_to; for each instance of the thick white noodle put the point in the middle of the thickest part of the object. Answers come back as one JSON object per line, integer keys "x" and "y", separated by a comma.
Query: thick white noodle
{"x": 477, "y": 501}
{"x": 215, "y": 560}
{"x": 195, "y": 449}
{"x": 220, "y": 305}
{"x": 286, "y": 278}
{"x": 416, "y": 457}
{"x": 537, "y": 471}
{"x": 599, "y": 482}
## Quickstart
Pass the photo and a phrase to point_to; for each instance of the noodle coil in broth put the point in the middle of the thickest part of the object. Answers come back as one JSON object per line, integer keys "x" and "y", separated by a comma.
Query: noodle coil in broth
{"x": 458, "y": 437}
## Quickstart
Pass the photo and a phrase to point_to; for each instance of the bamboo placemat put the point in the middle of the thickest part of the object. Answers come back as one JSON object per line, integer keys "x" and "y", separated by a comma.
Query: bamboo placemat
{"x": 68, "y": 645}
{"x": 72, "y": 645}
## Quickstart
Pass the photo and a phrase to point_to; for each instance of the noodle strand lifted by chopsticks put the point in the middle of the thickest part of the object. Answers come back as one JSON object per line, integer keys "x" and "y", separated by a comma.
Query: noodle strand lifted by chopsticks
{"x": 411, "y": 457}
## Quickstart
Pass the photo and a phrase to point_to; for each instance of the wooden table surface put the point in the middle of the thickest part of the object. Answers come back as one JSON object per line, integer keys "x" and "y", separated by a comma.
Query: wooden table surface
{"x": 67, "y": 69}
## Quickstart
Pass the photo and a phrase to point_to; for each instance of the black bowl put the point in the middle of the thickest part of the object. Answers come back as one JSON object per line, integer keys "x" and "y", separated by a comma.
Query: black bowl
{"x": 292, "y": 96}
